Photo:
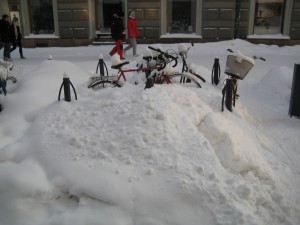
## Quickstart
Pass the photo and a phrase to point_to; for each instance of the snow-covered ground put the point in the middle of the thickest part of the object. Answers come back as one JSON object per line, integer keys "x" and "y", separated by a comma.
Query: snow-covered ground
{"x": 160, "y": 156}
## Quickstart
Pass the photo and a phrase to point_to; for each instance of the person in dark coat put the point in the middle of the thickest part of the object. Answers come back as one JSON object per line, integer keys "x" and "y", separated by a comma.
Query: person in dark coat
{"x": 16, "y": 36}
{"x": 117, "y": 28}
{"x": 6, "y": 38}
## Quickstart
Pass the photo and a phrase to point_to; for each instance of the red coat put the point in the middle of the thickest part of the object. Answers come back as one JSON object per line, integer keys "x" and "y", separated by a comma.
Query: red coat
{"x": 133, "y": 31}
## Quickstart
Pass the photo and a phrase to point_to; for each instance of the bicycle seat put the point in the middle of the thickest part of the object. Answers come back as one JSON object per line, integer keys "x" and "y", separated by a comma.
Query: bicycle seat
{"x": 119, "y": 66}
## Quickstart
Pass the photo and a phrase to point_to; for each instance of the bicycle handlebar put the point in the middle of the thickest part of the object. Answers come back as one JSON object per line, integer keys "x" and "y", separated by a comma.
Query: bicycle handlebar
{"x": 258, "y": 57}
{"x": 164, "y": 54}
{"x": 254, "y": 57}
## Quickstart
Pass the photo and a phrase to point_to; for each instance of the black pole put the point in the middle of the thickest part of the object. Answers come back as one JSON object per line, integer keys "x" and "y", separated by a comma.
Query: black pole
{"x": 101, "y": 63}
{"x": 295, "y": 93}
{"x": 66, "y": 83}
{"x": 215, "y": 76}
{"x": 237, "y": 19}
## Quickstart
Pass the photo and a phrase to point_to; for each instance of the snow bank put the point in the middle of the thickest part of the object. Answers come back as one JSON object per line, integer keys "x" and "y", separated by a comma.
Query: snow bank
{"x": 277, "y": 82}
{"x": 164, "y": 155}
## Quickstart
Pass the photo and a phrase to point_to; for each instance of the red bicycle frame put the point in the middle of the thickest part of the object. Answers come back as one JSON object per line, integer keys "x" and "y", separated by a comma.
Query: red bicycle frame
{"x": 123, "y": 71}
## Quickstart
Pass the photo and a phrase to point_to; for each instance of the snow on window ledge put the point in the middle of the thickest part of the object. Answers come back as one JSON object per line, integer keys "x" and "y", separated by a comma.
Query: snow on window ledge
{"x": 268, "y": 36}
{"x": 41, "y": 36}
{"x": 180, "y": 35}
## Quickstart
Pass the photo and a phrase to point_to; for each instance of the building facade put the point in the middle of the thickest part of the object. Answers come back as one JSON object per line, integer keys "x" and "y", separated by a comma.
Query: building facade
{"x": 83, "y": 22}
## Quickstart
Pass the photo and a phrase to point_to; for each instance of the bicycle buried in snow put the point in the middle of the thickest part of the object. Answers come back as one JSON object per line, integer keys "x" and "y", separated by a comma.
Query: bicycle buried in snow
{"x": 186, "y": 70}
{"x": 173, "y": 76}
{"x": 155, "y": 72}
{"x": 183, "y": 52}
{"x": 103, "y": 81}
{"x": 6, "y": 78}
{"x": 237, "y": 67}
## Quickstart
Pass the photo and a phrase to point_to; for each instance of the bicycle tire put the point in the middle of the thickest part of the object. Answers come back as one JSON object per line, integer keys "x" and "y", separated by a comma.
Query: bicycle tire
{"x": 11, "y": 79}
{"x": 101, "y": 84}
{"x": 11, "y": 84}
{"x": 184, "y": 80}
{"x": 175, "y": 78}
{"x": 199, "y": 77}
{"x": 229, "y": 95}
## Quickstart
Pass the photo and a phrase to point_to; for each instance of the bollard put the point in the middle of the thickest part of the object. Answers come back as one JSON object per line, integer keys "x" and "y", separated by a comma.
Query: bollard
{"x": 67, "y": 92}
{"x": 101, "y": 64}
{"x": 295, "y": 93}
{"x": 215, "y": 73}
{"x": 66, "y": 84}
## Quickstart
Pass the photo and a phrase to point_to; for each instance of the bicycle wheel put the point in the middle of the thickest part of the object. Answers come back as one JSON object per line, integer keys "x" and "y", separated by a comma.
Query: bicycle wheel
{"x": 228, "y": 95}
{"x": 175, "y": 78}
{"x": 11, "y": 84}
{"x": 100, "y": 84}
{"x": 199, "y": 77}
{"x": 11, "y": 79}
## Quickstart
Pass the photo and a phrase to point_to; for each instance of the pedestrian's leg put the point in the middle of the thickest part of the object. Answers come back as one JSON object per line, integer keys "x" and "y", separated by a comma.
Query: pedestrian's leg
{"x": 134, "y": 44}
{"x": 129, "y": 46}
{"x": 114, "y": 50}
{"x": 120, "y": 48}
{"x": 14, "y": 47}
{"x": 6, "y": 52}
{"x": 20, "y": 49}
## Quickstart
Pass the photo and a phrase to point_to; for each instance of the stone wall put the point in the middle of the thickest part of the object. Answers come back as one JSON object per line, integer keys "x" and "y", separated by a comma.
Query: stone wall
{"x": 219, "y": 19}
{"x": 148, "y": 17}
{"x": 73, "y": 19}
{"x": 295, "y": 24}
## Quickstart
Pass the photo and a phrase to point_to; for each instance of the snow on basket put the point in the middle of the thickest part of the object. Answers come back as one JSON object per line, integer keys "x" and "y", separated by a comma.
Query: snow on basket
{"x": 238, "y": 65}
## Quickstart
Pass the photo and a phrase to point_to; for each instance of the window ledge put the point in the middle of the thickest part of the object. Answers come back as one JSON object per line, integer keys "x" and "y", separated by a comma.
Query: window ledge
{"x": 268, "y": 36}
{"x": 41, "y": 36}
{"x": 181, "y": 35}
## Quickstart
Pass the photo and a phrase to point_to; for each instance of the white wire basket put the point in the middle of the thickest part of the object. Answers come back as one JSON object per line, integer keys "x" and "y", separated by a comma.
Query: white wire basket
{"x": 238, "y": 67}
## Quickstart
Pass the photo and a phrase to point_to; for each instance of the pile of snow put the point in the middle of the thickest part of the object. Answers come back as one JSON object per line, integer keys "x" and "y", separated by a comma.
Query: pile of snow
{"x": 165, "y": 155}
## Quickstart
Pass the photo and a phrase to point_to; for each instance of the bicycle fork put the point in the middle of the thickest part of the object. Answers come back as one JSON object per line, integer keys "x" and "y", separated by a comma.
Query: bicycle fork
{"x": 229, "y": 93}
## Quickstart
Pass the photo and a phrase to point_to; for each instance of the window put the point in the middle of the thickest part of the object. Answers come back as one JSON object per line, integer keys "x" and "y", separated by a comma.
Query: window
{"x": 181, "y": 16}
{"x": 41, "y": 16}
{"x": 105, "y": 9}
{"x": 268, "y": 17}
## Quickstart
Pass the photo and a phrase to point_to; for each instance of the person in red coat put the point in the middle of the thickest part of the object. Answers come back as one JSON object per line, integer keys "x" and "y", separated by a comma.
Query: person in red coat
{"x": 133, "y": 32}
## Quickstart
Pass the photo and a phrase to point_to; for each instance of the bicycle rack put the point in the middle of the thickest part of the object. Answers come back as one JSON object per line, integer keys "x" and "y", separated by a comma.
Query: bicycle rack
{"x": 215, "y": 73}
{"x": 101, "y": 64}
{"x": 66, "y": 84}
{"x": 294, "y": 109}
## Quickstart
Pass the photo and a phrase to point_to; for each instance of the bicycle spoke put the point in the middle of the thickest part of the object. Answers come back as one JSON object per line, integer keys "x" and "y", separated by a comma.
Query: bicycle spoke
{"x": 100, "y": 84}
{"x": 175, "y": 78}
